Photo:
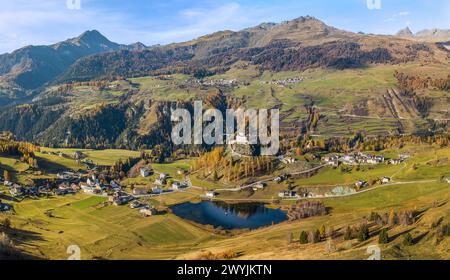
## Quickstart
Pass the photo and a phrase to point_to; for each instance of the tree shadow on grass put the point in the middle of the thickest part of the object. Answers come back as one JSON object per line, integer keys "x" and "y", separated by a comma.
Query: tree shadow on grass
{"x": 19, "y": 238}
{"x": 8, "y": 198}
{"x": 51, "y": 166}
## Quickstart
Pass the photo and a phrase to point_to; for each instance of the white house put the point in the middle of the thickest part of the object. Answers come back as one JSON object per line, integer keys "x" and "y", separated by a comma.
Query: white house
{"x": 63, "y": 176}
{"x": 92, "y": 181}
{"x": 148, "y": 211}
{"x": 287, "y": 160}
{"x": 135, "y": 204}
{"x": 87, "y": 188}
{"x": 145, "y": 172}
{"x": 210, "y": 194}
{"x": 159, "y": 182}
{"x": 287, "y": 194}
{"x": 332, "y": 160}
{"x": 259, "y": 186}
{"x": 176, "y": 186}
{"x": 385, "y": 180}
{"x": 157, "y": 191}
{"x": 394, "y": 161}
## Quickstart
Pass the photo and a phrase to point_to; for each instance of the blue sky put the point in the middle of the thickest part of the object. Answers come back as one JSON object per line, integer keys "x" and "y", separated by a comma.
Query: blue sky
{"x": 25, "y": 22}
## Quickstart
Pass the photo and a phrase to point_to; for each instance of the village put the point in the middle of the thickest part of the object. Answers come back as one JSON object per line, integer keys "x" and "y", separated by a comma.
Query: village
{"x": 95, "y": 182}
{"x": 361, "y": 159}
{"x": 284, "y": 82}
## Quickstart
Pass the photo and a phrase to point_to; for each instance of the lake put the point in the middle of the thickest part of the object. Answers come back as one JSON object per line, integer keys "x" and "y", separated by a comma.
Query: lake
{"x": 229, "y": 216}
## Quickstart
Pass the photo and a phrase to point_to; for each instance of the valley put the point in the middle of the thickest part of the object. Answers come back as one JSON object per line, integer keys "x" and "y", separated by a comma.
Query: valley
{"x": 87, "y": 159}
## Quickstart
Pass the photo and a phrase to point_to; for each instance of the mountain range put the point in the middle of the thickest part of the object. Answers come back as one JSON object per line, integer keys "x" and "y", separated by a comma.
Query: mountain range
{"x": 432, "y": 35}
{"x": 31, "y": 67}
{"x": 89, "y": 88}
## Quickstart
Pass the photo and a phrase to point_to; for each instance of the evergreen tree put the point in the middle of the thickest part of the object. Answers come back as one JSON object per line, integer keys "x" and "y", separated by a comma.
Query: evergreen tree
{"x": 303, "y": 237}
{"x": 215, "y": 177}
{"x": 363, "y": 232}
{"x": 383, "y": 238}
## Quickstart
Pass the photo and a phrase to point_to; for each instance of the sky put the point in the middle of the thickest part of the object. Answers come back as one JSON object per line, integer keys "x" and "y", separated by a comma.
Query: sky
{"x": 43, "y": 22}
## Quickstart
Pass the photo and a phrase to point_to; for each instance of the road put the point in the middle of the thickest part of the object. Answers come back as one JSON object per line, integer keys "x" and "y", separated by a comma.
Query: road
{"x": 271, "y": 179}
{"x": 367, "y": 190}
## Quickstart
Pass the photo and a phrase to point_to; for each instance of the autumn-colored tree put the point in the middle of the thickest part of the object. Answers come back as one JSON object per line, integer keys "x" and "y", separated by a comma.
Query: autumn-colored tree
{"x": 348, "y": 235}
{"x": 392, "y": 218}
{"x": 322, "y": 232}
{"x": 6, "y": 175}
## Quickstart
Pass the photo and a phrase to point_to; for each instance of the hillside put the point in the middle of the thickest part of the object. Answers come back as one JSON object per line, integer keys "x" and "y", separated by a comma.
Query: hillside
{"x": 31, "y": 67}
{"x": 382, "y": 85}
{"x": 293, "y": 45}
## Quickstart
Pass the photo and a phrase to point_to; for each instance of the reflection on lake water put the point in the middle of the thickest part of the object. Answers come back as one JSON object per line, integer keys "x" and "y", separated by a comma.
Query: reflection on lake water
{"x": 229, "y": 216}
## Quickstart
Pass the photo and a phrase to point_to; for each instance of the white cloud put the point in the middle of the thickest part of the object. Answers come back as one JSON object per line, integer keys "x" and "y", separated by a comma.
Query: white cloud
{"x": 397, "y": 16}
{"x": 199, "y": 22}
{"x": 37, "y": 22}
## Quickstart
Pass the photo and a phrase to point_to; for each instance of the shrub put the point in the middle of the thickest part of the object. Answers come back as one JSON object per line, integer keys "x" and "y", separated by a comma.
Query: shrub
{"x": 383, "y": 238}
{"x": 407, "y": 239}
{"x": 374, "y": 217}
{"x": 314, "y": 236}
{"x": 363, "y": 232}
{"x": 306, "y": 209}
{"x": 227, "y": 255}
{"x": 445, "y": 230}
{"x": 348, "y": 235}
{"x": 6, "y": 223}
{"x": 6, "y": 245}
{"x": 406, "y": 218}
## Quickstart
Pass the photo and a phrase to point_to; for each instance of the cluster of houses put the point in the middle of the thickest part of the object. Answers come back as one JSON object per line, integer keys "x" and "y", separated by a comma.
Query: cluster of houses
{"x": 286, "y": 160}
{"x": 220, "y": 82}
{"x": 284, "y": 82}
{"x": 93, "y": 186}
{"x": 399, "y": 160}
{"x": 280, "y": 178}
{"x": 162, "y": 179}
{"x": 120, "y": 198}
{"x": 353, "y": 159}
{"x": 288, "y": 194}
{"x": 17, "y": 190}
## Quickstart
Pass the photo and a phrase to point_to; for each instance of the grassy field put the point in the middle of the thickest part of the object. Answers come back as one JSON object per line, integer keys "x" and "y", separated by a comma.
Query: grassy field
{"x": 120, "y": 232}
{"x": 100, "y": 157}
{"x": 109, "y": 232}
